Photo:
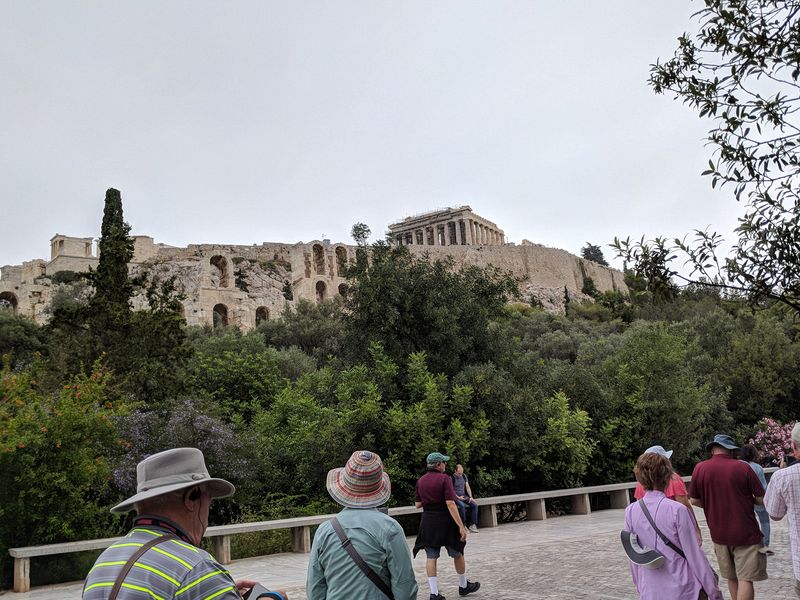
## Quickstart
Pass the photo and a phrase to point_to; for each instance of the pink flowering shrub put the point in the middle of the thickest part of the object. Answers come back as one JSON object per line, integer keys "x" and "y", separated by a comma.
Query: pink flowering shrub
{"x": 772, "y": 440}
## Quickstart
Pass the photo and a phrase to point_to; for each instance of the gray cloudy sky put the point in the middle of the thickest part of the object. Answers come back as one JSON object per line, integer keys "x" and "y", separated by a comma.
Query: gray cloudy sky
{"x": 243, "y": 122}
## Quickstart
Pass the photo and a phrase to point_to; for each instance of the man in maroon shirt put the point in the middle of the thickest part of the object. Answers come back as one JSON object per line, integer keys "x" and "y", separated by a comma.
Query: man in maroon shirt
{"x": 727, "y": 489}
{"x": 441, "y": 525}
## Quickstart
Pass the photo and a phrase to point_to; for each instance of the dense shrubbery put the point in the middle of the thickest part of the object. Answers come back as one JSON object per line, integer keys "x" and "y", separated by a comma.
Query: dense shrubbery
{"x": 422, "y": 357}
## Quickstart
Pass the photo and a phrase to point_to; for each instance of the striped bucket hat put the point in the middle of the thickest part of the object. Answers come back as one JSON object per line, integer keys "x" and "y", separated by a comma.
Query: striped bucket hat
{"x": 361, "y": 483}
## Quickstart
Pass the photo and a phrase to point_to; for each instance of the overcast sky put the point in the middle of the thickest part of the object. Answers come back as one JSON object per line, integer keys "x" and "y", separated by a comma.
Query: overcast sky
{"x": 242, "y": 122}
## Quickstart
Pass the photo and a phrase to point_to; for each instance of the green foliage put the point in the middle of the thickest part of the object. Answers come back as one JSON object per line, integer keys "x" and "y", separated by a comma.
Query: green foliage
{"x": 61, "y": 277}
{"x": 593, "y": 253}
{"x": 739, "y": 70}
{"x": 314, "y": 327}
{"x": 589, "y": 288}
{"x": 360, "y": 234}
{"x": 20, "y": 338}
{"x": 241, "y": 383}
{"x": 113, "y": 286}
{"x": 144, "y": 349}
{"x": 655, "y": 398}
{"x": 54, "y": 456}
{"x": 412, "y": 304}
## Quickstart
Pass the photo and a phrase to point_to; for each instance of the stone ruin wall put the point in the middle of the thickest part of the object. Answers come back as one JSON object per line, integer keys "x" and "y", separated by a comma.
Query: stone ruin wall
{"x": 544, "y": 273}
{"x": 246, "y": 284}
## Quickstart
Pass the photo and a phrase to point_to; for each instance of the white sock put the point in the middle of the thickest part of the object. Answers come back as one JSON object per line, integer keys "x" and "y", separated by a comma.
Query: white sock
{"x": 433, "y": 582}
{"x": 462, "y": 580}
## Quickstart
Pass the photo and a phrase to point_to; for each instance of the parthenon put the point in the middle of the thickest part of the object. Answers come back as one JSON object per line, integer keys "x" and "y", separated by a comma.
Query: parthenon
{"x": 457, "y": 226}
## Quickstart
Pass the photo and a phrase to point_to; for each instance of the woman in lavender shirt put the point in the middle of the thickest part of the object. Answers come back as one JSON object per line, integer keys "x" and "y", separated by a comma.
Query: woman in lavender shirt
{"x": 678, "y": 579}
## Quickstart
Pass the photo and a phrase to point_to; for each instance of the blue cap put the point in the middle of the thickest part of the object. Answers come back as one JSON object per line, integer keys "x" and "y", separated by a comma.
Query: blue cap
{"x": 723, "y": 440}
{"x": 434, "y": 458}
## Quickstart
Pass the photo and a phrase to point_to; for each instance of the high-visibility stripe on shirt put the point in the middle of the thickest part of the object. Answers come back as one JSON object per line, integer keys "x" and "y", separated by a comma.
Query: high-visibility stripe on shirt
{"x": 171, "y": 569}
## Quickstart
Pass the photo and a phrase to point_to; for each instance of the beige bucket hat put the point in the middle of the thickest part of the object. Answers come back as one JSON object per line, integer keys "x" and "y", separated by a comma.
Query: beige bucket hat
{"x": 170, "y": 471}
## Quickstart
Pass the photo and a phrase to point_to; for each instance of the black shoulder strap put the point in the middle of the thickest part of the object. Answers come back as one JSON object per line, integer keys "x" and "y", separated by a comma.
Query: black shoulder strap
{"x": 664, "y": 538}
{"x": 365, "y": 568}
{"x": 132, "y": 560}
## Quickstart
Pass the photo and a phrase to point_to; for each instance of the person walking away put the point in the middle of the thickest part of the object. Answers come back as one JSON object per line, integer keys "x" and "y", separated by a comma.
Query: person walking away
{"x": 441, "y": 525}
{"x": 783, "y": 500}
{"x": 676, "y": 489}
{"x": 465, "y": 499}
{"x": 750, "y": 455}
{"x": 727, "y": 490}
{"x": 160, "y": 557}
{"x": 361, "y": 486}
{"x": 686, "y": 577}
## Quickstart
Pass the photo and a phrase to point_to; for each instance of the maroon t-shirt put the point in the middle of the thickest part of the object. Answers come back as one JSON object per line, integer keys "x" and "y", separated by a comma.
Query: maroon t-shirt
{"x": 727, "y": 487}
{"x": 435, "y": 488}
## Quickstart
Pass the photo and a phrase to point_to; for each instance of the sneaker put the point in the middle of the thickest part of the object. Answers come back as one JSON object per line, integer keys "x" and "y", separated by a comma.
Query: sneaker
{"x": 437, "y": 597}
{"x": 473, "y": 528}
{"x": 472, "y": 586}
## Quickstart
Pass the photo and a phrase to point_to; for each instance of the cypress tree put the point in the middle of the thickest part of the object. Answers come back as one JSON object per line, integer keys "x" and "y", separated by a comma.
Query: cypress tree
{"x": 113, "y": 286}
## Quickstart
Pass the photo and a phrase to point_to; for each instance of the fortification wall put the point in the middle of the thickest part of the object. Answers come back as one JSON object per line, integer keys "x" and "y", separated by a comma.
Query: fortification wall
{"x": 243, "y": 285}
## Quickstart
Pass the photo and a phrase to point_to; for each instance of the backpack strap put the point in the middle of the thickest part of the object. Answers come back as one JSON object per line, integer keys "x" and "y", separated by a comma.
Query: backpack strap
{"x": 664, "y": 538}
{"x": 132, "y": 560}
{"x": 365, "y": 568}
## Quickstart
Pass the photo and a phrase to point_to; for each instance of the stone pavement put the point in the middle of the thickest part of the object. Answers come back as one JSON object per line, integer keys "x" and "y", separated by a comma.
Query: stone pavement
{"x": 569, "y": 557}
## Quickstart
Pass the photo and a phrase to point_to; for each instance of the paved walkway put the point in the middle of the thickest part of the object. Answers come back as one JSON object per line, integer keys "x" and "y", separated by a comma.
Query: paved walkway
{"x": 570, "y": 557}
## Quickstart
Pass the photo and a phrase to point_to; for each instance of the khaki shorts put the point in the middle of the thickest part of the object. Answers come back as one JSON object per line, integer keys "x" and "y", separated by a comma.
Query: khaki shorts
{"x": 747, "y": 563}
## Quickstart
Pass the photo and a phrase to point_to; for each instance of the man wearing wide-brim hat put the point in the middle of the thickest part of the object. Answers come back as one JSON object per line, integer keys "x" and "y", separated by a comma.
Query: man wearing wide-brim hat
{"x": 360, "y": 487}
{"x": 441, "y": 525}
{"x": 727, "y": 490}
{"x": 160, "y": 558}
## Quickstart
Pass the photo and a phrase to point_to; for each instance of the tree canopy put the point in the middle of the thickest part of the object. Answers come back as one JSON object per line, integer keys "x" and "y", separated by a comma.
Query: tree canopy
{"x": 594, "y": 253}
{"x": 740, "y": 70}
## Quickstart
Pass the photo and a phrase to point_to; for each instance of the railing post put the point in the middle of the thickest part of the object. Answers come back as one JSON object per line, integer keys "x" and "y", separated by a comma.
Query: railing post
{"x": 22, "y": 574}
{"x": 487, "y": 515}
{"x": 580, "y": 504}
{"x": 301, "y": 539}
{"x": 535, "y": 510}
{"x": 620, "y": 498}
{"x": 221, "y": 548}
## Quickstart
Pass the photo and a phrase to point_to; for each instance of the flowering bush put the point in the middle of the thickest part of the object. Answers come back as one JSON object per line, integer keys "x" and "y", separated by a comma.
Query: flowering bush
{"x": 772, "y": 440}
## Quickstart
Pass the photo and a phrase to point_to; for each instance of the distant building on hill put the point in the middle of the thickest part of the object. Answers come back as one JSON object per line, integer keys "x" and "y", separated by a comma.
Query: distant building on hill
{"x": 245, "y": 285}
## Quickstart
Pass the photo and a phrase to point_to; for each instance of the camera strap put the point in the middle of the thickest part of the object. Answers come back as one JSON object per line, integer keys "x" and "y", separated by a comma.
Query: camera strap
{"x": 360, "y": 562}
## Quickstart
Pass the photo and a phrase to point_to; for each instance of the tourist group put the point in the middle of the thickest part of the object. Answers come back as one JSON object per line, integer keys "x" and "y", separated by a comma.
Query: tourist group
{"x": 663, "y": 540}
{"x": 360, "y": 554}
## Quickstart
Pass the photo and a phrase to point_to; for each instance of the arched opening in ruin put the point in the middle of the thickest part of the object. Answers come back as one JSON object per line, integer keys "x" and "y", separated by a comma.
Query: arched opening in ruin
{"x": 219, "y": 271}
{"x": 341, "y": 260}
{"x": 262, "y": 315}
{"x": 319, "y": 259}
{"x": 320, "y": 291}
{"x": 343, "y": 289}
{"x": 220, "y": 316}
{"x": 8, "y": 301}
